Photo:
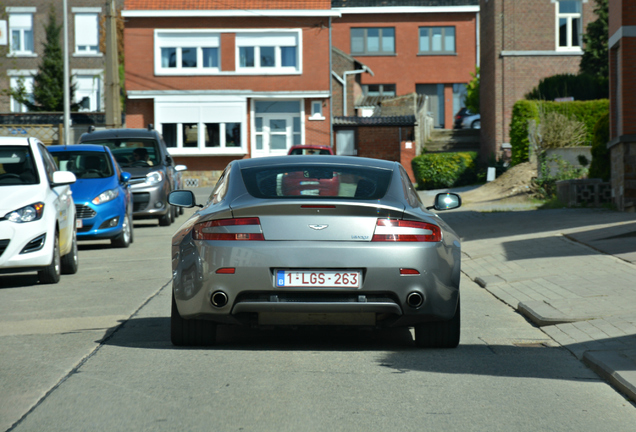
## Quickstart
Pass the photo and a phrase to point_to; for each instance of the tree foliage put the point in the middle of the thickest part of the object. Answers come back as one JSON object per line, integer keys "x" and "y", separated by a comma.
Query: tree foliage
{"x": 595, "y": 60}
{"x": 472, "y": 93}
{"x": 48, "y": 82}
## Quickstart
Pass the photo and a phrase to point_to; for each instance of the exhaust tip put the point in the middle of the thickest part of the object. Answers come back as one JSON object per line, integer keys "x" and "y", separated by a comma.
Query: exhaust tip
{"x": 218, "y": 299}
{"x": 415, "y": 299}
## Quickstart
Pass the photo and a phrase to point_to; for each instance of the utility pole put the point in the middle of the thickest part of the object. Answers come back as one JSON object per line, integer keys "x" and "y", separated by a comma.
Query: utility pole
{"x": 111, "y": 78}
{"x": 66, "y": 83}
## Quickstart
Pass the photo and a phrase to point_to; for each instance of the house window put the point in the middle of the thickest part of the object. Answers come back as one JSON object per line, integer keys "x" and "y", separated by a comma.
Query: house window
{"x": 208, "y": 126}
{"x": 27, "y": 83}
{"x": 88, "y": 90}
{"x": 86, "y": 33}
{"x": 378, "y": 89}
{"x": 568, "y": 25}
{"x": 437, "y": 40}
{"x": 373, "y": 41}
{"x": 275, "y": 52}
{"x": 181, "y": 53}
{"x": 21, "y": 33}
{"x": 316, "y": 111}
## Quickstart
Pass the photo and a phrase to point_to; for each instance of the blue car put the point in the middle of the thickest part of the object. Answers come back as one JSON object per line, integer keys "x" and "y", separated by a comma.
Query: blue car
{"x": 102, "y": 196}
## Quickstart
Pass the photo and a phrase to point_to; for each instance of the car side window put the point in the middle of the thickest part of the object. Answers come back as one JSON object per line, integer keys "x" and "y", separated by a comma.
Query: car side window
{"x": 219, "y": 191}
{"x": 49, "y": 164}
{"x": 411, "y": 194}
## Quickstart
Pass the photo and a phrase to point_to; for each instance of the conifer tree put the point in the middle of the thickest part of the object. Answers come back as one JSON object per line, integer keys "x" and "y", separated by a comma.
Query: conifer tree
{"x": 595, "y": 60}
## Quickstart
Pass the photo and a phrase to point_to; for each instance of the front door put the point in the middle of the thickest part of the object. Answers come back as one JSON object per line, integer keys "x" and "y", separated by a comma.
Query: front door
{"x": 275, "y": 133}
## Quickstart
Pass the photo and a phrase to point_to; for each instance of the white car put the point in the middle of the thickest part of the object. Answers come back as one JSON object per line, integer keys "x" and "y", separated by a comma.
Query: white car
{"x": 37, "y": 213}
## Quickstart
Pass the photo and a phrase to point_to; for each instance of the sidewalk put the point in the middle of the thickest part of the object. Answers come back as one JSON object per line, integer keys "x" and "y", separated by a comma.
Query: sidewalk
{"x": 572, "y": 272}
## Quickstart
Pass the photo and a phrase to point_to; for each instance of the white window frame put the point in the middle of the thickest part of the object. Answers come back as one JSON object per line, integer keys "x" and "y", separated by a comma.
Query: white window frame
{"x": 14, "y": 76}
{"x": 21, "y": 51}
{"x": 179, "y": 39}
{"x": 276, "y": 38}
{"x": 569, "y": 17}
{"x": 97, "y": 76}
{"x": 316, "y": 111}
{"x": 81, "y": 35}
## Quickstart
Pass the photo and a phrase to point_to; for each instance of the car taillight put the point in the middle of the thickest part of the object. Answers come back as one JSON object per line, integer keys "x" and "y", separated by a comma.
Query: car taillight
{"x": 391, "y": 230}
{"x": 229, "y": 229}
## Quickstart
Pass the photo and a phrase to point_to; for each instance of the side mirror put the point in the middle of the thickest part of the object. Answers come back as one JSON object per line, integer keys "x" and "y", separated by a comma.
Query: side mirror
{"x": 446, "y": 201}
{"x": 182, "y": 198}
{"x": 180, "y": 168}
{"x": 125, "y": 177}
{"x": 63, "y": 178}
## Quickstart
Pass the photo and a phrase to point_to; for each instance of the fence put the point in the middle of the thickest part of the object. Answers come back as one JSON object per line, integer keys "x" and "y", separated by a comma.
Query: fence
{"x": 586, "y": 192}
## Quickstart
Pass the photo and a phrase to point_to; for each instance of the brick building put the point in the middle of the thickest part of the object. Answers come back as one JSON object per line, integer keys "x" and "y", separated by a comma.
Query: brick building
{"x": 424, "y": 46}
{"x": 522, "y": 42}
{"x": 228, "y": 80}
{"x": 622, "y": 145}
{"x": 22, "y": 53}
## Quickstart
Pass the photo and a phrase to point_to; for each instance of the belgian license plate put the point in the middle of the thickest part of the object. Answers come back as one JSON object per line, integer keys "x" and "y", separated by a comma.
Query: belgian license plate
{"x": 318, "y": 278}
{"x": 79, "y": 223}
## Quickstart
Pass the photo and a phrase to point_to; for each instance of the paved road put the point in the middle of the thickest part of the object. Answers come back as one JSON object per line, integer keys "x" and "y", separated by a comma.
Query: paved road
{"x": 93, "y": 353}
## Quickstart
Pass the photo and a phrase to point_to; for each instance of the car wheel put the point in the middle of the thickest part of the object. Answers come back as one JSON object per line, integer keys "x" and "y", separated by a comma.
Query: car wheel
{"x": 70, "y": 261}
{"x": 132, "y": 229}
{"x": 194, "y": 332}
{"x": 166, "y": 219}
{"x": 476, "y": 124}
{"x": 51, "y": 273}
{"x": 439, "y": 334}
{"x": 124, "y": 239}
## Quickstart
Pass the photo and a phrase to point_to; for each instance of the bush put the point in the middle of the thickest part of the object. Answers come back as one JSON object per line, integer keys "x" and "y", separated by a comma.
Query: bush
{"x": 444, "y": 170}
{"x": 582, "y": 87}
{"x": 601, "y": 164}
{"x": 523, "y": 111}
{"x": 545, "y": 183}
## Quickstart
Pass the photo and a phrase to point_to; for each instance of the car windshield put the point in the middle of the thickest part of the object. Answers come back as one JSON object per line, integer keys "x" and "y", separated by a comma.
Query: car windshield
{"x": 84, "y": 164}
{"x": 17, "y": 166}
{"x": 309, "y": 151}
{"x": 317, "y": 181}
{"x": 137, "y": 152}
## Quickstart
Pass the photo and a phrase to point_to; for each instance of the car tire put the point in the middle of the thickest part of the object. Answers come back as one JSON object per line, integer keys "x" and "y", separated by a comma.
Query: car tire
{"x": 166, "y": 219}
{"x": 70, "y": 261}
{"x": 51, "y": 273}
{"x": 476, "y": 124}
{"x": 193, "y": 332}
{"x": 124, "y": 239}
{"x": 439, "y": 334}
{"x": 173, "y": 216}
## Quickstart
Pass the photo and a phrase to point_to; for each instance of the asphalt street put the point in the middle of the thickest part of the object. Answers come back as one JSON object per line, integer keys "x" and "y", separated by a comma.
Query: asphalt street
{"x": 93, "y": 352}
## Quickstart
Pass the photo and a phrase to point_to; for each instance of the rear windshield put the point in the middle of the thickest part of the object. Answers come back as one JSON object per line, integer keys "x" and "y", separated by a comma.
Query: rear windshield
{"x": 84, "y": 164}
{"x": 136, "y": 152}
{"x": 309, "y": 151}
{"x": 17, "y": 166}
{"x": 317, "y": 181}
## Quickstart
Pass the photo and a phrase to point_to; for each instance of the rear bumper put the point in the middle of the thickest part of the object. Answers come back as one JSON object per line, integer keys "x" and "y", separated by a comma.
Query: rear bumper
{"x": 252, "y": 291}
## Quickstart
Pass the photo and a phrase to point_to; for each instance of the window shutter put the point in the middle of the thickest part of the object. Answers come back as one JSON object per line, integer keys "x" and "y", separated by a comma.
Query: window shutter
{"x": 86, "y": 29}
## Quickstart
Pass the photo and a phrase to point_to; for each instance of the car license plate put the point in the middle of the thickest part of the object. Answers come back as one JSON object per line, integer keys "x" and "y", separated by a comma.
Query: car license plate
{"x": 79, "y": 223}
{"x": 318, "y": 278}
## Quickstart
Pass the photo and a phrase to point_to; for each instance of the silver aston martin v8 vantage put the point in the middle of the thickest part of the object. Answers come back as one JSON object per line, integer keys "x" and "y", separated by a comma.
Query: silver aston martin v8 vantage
{"x": 315, "y": 240}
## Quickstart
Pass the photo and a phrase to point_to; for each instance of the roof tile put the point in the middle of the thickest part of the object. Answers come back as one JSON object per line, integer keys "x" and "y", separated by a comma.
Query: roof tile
{"x": 225, "y": 4}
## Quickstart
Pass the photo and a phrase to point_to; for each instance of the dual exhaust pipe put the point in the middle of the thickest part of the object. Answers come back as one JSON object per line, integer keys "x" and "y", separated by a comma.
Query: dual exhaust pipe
{"x": 220, "y": 299}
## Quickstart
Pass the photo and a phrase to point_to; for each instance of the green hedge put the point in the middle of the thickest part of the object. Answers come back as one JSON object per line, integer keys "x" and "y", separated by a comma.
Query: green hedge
{"x": 444, "y": 170}
{"x": 587, "y": 112}
{"x": 582, "y": 87}
{"x": 601, "y": 164}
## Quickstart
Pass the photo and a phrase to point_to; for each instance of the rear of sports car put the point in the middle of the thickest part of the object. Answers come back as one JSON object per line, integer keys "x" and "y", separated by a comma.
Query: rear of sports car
{"x": 362, "y": 256}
